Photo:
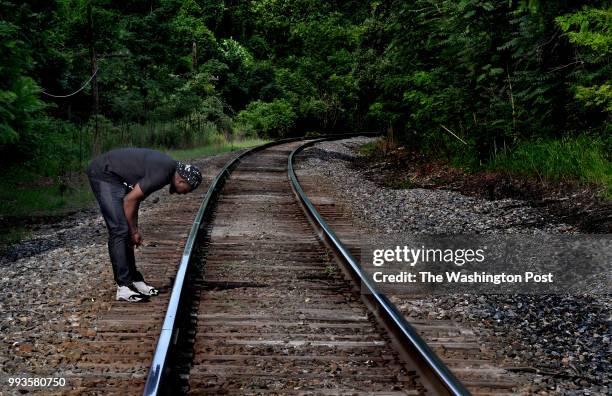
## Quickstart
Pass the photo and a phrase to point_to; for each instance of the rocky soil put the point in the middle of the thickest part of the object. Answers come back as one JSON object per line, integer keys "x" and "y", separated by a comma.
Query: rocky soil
{"x": 563, "y": 340}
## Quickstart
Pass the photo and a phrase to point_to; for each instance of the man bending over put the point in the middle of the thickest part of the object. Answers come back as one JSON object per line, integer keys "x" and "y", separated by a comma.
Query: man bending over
{"x": 121, "y": 179}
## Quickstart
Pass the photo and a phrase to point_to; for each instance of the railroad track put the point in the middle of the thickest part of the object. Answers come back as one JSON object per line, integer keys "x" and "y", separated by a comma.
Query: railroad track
{"x": 265, "y": 301}
{"x": 265, "y": 308}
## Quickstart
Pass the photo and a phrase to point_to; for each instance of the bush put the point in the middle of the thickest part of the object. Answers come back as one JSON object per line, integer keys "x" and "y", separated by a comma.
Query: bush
{"x": 268, "y": 120}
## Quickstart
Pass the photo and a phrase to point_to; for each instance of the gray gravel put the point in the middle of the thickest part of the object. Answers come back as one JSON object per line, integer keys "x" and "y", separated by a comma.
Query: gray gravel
{"x": 563, "y": 340}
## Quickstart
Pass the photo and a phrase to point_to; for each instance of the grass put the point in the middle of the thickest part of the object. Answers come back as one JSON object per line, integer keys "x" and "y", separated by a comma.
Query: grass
{"x": 584, "y": 159}
{"x": 32, "y": 201}
{"x": 20, "y": 205}
{"x": 12, "y": 235}
{"x": 230, "y": 265}
{"x": 368, "y": 149}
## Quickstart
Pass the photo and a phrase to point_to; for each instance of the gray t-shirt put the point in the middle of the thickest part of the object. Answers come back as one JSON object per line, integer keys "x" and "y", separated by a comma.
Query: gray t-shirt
{"x": 151, "y": 169}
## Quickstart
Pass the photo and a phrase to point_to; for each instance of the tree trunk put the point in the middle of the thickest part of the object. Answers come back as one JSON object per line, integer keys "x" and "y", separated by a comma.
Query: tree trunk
{"x": 194, "y": 57}
{"x": 97, "y": 144}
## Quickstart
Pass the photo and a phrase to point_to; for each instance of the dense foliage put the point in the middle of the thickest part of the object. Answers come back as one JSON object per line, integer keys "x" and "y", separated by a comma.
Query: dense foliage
{"x": 174, "y": 73}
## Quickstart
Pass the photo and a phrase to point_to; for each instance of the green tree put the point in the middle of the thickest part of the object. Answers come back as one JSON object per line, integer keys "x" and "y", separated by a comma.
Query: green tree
{"x": 590, "y": 29}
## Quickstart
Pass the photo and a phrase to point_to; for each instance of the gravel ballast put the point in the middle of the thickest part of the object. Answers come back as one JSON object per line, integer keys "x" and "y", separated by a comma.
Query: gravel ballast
{"x": 563, "y": 340}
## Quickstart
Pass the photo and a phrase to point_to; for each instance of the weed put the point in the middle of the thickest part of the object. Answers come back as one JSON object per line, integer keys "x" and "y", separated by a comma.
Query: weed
{"x": 399, "y": 184}
{"x": 330, "y": 269}
{"x": 584, "y": 159}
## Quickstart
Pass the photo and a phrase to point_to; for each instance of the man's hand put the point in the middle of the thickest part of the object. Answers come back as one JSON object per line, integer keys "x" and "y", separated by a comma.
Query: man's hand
{"x": 136, "y": 239}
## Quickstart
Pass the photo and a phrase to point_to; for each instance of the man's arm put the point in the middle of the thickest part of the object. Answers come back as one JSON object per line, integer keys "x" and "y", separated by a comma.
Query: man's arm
{"x": 131, "y": 203}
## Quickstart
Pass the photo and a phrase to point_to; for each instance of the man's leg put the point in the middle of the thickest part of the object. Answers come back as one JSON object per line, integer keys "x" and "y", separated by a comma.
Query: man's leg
{"x": 110, "y": 198}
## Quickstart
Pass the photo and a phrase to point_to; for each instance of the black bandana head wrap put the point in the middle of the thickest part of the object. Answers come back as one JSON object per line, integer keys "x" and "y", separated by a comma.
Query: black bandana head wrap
{"x": 190, "y": 173}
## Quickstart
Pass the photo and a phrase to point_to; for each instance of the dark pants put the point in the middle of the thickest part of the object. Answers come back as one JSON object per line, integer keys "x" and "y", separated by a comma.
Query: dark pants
{"x": 110, "y": 197}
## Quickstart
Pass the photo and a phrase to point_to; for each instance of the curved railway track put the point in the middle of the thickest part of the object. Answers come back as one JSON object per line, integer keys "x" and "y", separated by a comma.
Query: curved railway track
{"x": 262, "y": 307}
{"x": 265, "y": 300}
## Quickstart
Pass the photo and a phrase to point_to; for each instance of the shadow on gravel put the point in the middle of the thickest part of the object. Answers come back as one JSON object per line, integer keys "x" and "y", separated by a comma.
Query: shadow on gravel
{"x": 315, "y": 152}
{"x": 62, "y": 228}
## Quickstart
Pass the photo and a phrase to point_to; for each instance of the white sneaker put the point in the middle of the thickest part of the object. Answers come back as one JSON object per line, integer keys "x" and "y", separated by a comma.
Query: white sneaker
{"x": 146, "y": 289}
{"x": 126, "y": 293}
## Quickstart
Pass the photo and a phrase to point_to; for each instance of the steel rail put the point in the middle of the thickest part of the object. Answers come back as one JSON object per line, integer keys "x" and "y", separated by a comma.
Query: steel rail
{"x": 412, "y": 346}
